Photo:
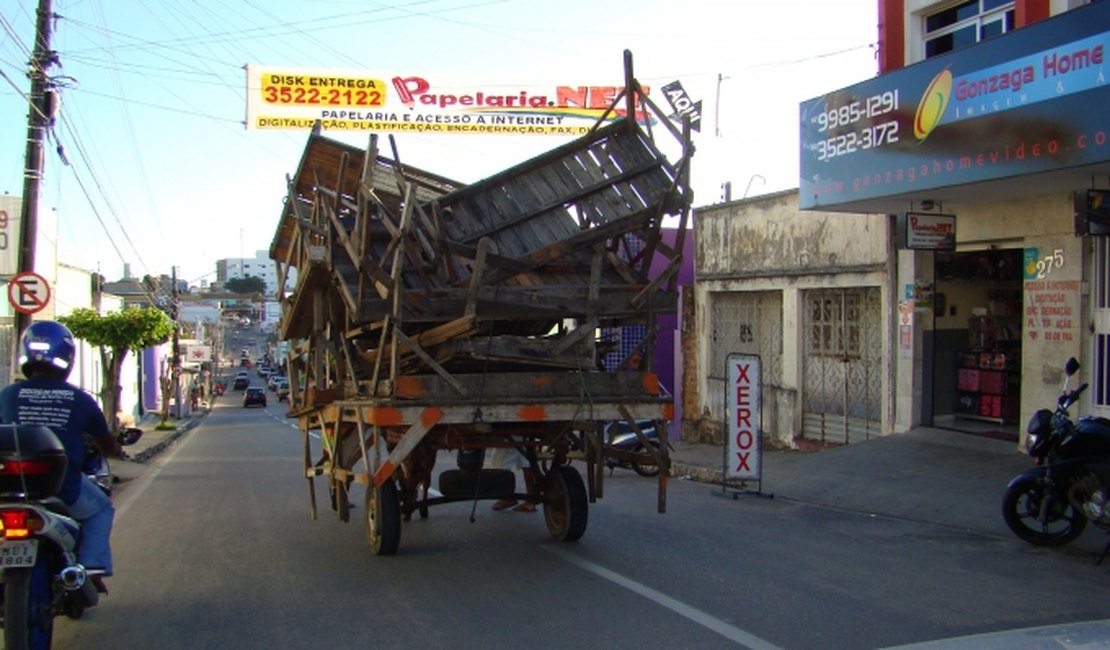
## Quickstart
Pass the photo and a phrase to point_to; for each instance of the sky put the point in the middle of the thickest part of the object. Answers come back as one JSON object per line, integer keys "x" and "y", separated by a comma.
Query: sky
{"x": 158, "y": 171}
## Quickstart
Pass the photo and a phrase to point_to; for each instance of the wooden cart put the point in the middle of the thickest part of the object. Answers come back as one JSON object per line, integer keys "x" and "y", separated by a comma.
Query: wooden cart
{"x": 429, "y": 315}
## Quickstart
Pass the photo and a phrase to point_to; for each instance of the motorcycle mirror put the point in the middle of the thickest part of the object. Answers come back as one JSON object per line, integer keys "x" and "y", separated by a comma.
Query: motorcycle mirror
{"x": 1071, "y": 367}
{"x": 129, "y": 436}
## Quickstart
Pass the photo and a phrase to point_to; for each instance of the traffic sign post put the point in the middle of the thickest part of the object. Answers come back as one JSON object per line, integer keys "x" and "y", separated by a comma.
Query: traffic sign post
{"x": 28, "y": 293}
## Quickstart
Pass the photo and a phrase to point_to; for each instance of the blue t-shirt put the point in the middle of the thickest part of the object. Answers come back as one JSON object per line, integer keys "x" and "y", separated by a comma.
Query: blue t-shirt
{"x": 67, "y": 410}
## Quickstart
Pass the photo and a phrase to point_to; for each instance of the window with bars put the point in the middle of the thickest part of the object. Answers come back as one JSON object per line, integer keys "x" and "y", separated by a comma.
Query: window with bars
{"x": 835, "y": 324}
{"x": 966, "y": 23}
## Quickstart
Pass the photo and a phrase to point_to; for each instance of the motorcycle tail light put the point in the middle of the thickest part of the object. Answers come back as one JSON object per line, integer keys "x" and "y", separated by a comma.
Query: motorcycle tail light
{"x": 20, "y": 467}
{"x": 19, "y": 524}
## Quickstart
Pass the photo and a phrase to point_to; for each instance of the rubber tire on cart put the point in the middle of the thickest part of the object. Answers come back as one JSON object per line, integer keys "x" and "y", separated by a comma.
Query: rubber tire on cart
{"x": 383, "y": 518}
{"x": 477, "y": 484}
{"x": 1021, "y": 508}
{"x": 565, "y": 506}
{"x": 28, "y": 621}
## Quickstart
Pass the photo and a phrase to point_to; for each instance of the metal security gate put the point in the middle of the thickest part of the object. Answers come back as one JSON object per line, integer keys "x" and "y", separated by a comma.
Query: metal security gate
{"x": 746, "y": 323}
{"x": 1100, "y": 371}
{"x": 842, "y": 365}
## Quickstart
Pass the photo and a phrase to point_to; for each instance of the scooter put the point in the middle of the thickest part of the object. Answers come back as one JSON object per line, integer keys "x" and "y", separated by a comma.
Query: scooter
{"x": 1050, "y": 504}
{"x": 620, "y": 436}
{"x": 38, "y": 539}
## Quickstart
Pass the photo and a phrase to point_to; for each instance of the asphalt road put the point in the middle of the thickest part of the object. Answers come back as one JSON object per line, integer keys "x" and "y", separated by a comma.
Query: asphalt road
{"x": 214, "y": 548}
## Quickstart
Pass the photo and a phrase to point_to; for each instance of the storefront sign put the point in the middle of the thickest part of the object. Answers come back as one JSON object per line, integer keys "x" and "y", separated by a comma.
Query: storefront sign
{"x": 1025, "y": 102}
{"x": 930, "y": 231}
{"x": 745, "y": 418}
{"x": 1052, "y": 310}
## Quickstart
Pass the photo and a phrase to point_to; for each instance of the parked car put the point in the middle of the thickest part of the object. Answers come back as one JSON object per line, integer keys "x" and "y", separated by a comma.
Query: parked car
{"x": 274, "y": 380}
{"x": 254, "y": 395}
{"x": 282, "y": 390}
{"x": 241, "y": 381}
{"x": 263, "y": 371}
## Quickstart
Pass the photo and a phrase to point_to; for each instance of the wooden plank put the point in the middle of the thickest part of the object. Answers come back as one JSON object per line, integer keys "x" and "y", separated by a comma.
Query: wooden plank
{"x": 427, "y": 418}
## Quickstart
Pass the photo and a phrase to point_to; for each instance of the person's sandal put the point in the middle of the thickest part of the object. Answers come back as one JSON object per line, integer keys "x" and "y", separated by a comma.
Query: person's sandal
{"x": 527, "y": 506}
{"x": 502, "y": 504}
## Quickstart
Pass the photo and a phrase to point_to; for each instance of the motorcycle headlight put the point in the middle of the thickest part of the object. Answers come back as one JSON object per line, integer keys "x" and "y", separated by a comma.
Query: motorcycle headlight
{"x": 1040, "y": 424}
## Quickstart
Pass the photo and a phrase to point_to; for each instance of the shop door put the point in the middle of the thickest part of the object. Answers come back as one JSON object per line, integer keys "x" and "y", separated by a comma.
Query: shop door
{"x": 746, "y": 323}
{"x": 1100, "y": 370}
{"x": 842, "y": 386}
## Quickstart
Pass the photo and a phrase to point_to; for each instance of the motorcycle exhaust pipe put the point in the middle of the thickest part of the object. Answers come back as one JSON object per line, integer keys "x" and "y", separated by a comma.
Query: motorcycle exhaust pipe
{"x": 73, "y": 577}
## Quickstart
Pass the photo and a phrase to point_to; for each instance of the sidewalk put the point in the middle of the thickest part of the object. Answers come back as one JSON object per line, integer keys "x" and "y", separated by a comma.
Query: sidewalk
{"x": 928, "y": 475}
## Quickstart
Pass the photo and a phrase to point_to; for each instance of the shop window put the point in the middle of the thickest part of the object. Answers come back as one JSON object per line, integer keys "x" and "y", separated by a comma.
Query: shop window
{"x": 966, "y": 23}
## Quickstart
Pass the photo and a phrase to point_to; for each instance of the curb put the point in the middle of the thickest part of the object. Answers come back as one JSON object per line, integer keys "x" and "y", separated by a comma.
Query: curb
{"x": 150, "y": 452}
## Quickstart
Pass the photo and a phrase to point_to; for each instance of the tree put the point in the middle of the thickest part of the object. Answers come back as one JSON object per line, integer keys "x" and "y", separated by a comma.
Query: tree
{"x": 115, "y": 333}
{"x": 249, "y": 284}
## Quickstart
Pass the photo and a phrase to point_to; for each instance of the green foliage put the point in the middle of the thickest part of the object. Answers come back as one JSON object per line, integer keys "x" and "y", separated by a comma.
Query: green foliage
{"x": 133, "y": 328}
{"x": 247, "y": 285}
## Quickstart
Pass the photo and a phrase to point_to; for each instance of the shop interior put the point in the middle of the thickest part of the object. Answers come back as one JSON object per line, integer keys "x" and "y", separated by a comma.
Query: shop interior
{"x": 976, "y": 342}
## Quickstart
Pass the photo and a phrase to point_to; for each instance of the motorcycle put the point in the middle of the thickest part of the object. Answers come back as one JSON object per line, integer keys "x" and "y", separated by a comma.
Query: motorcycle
{"x": 619, "y": 435}
{"x": 1051, "y": 504}
{"x": 38, "y": 539}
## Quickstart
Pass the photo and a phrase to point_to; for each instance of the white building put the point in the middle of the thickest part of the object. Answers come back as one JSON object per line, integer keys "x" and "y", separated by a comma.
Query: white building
{"x": 259, "y": 266}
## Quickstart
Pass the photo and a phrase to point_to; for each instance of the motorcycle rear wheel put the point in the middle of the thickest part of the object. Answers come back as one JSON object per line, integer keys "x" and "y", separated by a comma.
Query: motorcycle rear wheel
{"x": 1021, "y": 507}
{"x": 644, "y": 470}
{"x": 28, "y": 621}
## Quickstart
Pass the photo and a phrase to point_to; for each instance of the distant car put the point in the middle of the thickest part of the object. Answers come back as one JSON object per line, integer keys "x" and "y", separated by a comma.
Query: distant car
{"x": 263, "y": 371}
{"x": 254, "y": 395}
{"x": 240, "y": 382}
{"x": 274, "y": 380}
{"x": 282, "y": 390}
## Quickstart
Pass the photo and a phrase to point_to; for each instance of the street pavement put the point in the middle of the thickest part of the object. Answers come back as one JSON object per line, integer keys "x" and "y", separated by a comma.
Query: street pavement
{"x": 927, "y": 475}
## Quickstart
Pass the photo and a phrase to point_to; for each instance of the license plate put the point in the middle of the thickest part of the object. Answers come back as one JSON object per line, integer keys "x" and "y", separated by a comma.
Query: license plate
{"x": 15, "y": 554}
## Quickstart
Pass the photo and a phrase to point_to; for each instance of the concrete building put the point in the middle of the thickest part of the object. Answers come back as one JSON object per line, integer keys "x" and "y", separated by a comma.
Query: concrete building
{"x": 259, "y": 266}
{"x": 985, "y": 139}
{"x": 812, "y": 296}
{"x": 949, "y": 215}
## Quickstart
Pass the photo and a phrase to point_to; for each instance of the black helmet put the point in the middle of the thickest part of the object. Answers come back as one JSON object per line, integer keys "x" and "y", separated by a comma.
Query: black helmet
{"x": 47, "y": 347}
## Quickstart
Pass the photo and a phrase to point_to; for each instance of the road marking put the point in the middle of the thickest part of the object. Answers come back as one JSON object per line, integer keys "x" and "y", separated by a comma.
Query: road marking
{"x": 704, "y": 619}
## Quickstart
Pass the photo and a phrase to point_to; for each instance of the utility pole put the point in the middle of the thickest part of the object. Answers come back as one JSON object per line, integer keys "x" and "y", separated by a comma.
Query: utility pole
{"x": 176, "y": 347}
{"x": 38, "y": 120}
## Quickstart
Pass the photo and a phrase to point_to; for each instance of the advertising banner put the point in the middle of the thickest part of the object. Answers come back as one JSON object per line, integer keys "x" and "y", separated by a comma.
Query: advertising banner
{"x": 280, "y": 97}
{"x": 1025, "y": 102}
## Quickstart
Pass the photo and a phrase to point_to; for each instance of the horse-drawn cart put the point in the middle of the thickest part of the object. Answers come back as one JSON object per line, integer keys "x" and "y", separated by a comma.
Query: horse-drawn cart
{"x": 518, "y": 311}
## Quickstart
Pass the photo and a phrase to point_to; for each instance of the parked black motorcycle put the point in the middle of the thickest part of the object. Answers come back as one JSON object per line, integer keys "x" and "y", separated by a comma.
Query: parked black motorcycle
{"x": 1051, "y": 504}
{"x": 620, "y": 436}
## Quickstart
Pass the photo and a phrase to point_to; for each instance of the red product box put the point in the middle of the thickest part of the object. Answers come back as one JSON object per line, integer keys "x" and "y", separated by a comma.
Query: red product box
{"x": 968, "y": 379}
{"x": 993, "y": 382}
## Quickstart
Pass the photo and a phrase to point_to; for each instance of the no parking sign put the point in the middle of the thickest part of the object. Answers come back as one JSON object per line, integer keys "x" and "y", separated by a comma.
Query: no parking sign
{"x": 28, "y": 292}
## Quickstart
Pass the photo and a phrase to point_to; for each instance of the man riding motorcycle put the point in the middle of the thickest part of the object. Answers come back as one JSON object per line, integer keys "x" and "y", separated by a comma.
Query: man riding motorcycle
{"x": 46, "y": 398}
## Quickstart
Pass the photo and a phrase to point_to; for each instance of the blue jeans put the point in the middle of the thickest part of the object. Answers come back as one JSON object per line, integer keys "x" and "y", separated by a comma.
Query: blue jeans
{"x": 95, "y": 512}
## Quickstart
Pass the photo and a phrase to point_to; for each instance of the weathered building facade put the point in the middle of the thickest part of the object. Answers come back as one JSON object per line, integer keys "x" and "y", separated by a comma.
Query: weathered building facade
{"x": 811, "y": 296}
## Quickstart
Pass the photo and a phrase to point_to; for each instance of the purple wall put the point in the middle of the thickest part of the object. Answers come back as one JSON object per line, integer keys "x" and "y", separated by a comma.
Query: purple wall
{"x": 667, "y": 354}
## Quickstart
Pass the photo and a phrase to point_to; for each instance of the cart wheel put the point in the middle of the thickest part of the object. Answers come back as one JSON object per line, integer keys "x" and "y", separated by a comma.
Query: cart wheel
{"x": 383, "y": 518}
{"x": 565, "y": 507}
